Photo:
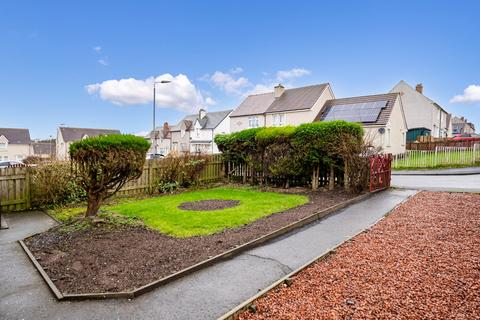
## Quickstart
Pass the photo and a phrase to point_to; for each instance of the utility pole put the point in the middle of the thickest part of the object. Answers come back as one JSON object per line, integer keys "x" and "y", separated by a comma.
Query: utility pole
{"x": 154, "y": 133}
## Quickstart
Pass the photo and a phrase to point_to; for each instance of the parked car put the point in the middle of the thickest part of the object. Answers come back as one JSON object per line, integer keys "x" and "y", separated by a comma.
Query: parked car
{"x": 151, "y": 156}
{"x": 11, "y": 163}
{"x": 465, "y": 137}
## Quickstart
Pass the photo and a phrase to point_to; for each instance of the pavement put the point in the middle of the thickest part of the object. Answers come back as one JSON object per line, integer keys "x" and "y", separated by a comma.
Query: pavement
{"x": 438, "y": 172}
{"x": 206, "y": 294}
{"x": 450, "y": 183}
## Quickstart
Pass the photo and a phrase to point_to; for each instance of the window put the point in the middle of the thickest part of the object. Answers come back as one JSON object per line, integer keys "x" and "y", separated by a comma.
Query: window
{"x": 253, "y": 122}
{"x": 3, "y": 145}
{"x": 279, "y": 120}
{"x": 19, "y": 157}
{"x": 5, "y": 158}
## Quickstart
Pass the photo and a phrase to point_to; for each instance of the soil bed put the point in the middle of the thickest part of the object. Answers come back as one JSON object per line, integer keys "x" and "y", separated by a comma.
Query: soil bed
{"x": 421, "y": 262}
{"x": 208, "y": 205}
{"x": 105, "y": 258}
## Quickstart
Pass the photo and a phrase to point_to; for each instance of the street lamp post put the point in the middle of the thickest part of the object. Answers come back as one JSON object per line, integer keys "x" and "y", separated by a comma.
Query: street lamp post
{"x": 154, "y": 133}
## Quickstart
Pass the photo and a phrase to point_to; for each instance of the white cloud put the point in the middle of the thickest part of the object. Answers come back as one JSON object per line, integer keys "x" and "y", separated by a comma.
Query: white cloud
{"x": 210, "y": 101}
{"x": 292, "y": 74}
{"x": 470, "y": 95}
{"x": 142, "y": 133}
{"x": 97, "y": 49}
{"x": 180, "y": 94}
{"x": 236, "y": 70}
{"x": 228, "y": 83}
{"x": 103, "y": 62}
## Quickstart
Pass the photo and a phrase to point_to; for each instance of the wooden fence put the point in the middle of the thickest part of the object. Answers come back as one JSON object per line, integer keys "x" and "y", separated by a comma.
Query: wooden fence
{"x": 14, "y": 189}
{"x": 15, "y": 182}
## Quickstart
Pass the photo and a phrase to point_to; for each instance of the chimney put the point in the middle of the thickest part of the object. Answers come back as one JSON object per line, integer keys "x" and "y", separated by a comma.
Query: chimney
{"x": 166, "y": 129}
{"x": 278, "y": 91}
{"x": 419, "y": 88}
{"x": 201, "y": 113}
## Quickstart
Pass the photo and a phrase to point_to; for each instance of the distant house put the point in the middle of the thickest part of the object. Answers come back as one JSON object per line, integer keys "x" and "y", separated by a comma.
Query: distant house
{"x": 66, "y": 135}
{"x": 382, "y": 117}
{"x": 44, "y": 149}
{"x": 161, "y": 139}
{"x": 180, "y": 134}
{"x": 460, "y": 125}
{"x": 424, "y": 116}
{"x": 15, "y": 144}
{"x": 205, "y": 128}
{"x": 280, "y": 107}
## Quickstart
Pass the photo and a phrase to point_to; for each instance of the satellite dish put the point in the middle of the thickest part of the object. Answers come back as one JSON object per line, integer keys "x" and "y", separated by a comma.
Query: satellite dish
{"x": 381, "y": 130}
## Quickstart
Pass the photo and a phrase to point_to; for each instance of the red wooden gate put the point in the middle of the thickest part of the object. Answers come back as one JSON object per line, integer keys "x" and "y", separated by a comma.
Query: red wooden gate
{"x": 380, "y": 171}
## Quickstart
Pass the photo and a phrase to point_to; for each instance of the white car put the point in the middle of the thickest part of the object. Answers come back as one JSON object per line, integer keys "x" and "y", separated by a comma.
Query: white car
{"x": 151, "y": 156}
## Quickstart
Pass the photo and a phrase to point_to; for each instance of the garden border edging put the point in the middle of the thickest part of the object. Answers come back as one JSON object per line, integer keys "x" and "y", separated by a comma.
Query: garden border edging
{"x": 233, "y": 313}
{"x": 206, "y": 263}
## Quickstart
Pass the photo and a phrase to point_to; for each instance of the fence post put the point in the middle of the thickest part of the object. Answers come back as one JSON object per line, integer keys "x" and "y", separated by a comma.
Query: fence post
{"x": 27, "y": 189}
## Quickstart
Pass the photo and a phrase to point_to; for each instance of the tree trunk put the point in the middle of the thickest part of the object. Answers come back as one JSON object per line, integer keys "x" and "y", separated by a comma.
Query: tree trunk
{"x": 93, "y": 205}
{"x": 331, "y": 178}
{"x": 346, "y": 180}
{"x": 315, "y": 178}
{"x": 245, "y": 173}
{"x": 287, "y": 184}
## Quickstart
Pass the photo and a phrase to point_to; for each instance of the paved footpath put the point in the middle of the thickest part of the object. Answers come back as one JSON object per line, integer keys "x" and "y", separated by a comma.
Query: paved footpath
{"x": 206, "y": 294}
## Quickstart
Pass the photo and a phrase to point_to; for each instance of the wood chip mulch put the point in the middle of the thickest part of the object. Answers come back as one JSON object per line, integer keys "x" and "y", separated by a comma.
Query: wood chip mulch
{"x": 421, "y": 262}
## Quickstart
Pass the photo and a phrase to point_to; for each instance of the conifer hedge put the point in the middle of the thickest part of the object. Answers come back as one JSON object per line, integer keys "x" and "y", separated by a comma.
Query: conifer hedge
{"x": 300, "y": 153}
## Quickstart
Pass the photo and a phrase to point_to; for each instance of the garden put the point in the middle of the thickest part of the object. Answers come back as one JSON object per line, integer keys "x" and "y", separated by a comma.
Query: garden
{"x": 110, "y": 244}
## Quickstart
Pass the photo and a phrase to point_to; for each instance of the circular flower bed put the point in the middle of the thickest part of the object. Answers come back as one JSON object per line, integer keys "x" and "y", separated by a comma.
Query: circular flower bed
{"x": 208, "y": 205}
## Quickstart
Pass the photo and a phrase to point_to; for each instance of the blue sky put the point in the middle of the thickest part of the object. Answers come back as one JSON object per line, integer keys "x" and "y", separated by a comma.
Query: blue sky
{"x": 90, "y": 64}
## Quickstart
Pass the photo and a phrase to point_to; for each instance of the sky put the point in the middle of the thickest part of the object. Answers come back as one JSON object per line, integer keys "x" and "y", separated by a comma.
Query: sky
{"x": 93, "y": 63}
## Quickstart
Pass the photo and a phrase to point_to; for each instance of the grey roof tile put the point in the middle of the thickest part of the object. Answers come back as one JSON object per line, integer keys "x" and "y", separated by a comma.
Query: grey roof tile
{"x": 73, "y": 134}
{"x": 16, "y": 135}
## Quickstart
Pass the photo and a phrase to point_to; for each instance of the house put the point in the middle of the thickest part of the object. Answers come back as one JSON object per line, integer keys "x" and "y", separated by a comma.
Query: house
{"x": 66, "y": 135}
{"x": 180, "y": 134}
{"x": 44, "y": 149}
{"x": 460, "y": 125}
{"x": 205, "y": 128}
{"x": 281, "y": 107}
{"x": 160, "y": 142}
{"x": 382, "y": 117}
{"x": 424, "y": 116}
{"x": 15, "y": 144}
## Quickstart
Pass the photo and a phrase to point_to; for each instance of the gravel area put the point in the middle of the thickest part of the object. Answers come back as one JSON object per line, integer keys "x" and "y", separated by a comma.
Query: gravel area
{"x": 106, "y": 259}
{"x": 421, "y": 262}
{"x": 208, "y": 205}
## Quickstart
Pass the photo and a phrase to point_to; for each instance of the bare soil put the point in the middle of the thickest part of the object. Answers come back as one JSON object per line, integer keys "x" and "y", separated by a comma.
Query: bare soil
{"x": 421, "y": 262}
{"x": 106, "y": 258}
{"x": 208, "y": 205}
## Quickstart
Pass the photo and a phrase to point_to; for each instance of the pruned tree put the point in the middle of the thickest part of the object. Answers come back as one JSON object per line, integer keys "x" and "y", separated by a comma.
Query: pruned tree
{"x": 102, "y": 165}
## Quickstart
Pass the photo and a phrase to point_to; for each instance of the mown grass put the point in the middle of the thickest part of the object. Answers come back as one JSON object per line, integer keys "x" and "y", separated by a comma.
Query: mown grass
{"x": 162, "y": 213}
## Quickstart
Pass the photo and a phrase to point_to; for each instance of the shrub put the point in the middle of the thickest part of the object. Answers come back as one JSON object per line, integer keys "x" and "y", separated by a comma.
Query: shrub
{"x": 179, "y": 171}
{"x": 54, "y": 184}
{"x": 103, "y": 164}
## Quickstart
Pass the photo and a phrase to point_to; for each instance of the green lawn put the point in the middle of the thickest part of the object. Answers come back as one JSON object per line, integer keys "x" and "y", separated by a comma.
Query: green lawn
{"x": 161, "y": 213}
{"x": 429, "y": 159}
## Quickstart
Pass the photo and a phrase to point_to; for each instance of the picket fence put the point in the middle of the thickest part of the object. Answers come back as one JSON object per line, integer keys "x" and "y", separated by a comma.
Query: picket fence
{"x": 15, "y": 186}
{"x": 441, "y": 156}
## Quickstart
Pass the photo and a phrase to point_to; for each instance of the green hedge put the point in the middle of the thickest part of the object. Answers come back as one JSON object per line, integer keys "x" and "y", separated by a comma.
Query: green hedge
{"x": 291, "y": 153}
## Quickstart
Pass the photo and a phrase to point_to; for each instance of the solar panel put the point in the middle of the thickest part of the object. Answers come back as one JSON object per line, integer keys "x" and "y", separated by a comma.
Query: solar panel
{"x": 356, "y": 112}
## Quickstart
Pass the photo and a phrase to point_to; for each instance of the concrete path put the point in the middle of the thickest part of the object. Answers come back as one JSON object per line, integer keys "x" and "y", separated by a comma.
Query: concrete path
{"x": 453, "y": 183}
{"x": 438, "y": 172}
{"x": 206, "y": 294}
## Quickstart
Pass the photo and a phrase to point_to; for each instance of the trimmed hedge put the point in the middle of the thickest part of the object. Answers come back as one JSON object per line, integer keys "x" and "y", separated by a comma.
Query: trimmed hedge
{"x": 292, "y": 153}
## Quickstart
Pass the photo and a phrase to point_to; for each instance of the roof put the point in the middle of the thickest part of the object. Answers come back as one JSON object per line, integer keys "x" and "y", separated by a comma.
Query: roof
{"x": 73, "y": 134}
{"x": 382, "y": 117}
{"x": 402, "y": 82}
{"x": 211, "y": 120}
{"x": 43, "y": 147}
{"x": 291, "y": 99}
{"x": 187, "y": 120}
{"x": 16, "y": 135}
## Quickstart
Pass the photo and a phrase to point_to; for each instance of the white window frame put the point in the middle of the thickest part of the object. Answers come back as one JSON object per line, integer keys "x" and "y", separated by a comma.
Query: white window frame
{"x": 4, "y": 145}
{"x": 253, "y": 122}
{"x": 279, "y": 119}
